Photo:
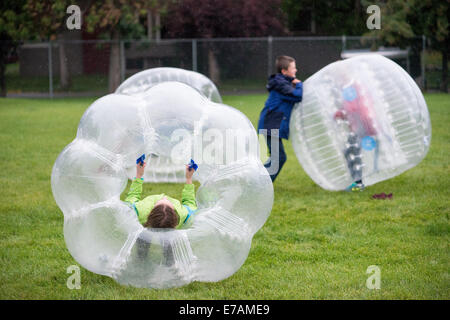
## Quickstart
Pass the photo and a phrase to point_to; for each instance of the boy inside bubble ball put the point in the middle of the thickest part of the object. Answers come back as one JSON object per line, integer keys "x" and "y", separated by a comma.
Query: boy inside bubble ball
{"x": 285, "y": 90}
{"x": 161, "y": 211}
{"x": 355, "y": 112}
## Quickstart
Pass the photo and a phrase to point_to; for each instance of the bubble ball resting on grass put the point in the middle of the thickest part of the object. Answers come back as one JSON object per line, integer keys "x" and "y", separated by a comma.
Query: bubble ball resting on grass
{"x": 163, "y": 169}
{"x": 174, "y": 120}
{"x": 360, "y": 119}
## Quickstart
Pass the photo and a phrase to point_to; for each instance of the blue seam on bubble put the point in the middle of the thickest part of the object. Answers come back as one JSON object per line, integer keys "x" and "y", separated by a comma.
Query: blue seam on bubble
{"x": 135, "y": 209}
{"x": 190, "y": 212}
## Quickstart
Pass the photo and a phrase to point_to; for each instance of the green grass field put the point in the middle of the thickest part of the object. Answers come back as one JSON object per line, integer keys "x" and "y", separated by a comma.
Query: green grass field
{"x": 316, "y": 244}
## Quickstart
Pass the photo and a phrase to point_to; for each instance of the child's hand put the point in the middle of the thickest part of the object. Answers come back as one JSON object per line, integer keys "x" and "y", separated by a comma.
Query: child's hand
{"x": 295, "y": 81}
{"x": 140, "y": 168}
{"x": 189, "y": 174}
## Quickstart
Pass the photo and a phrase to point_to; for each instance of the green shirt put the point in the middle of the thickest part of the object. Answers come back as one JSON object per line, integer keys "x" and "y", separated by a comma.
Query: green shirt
{"x": 144, "y": 206}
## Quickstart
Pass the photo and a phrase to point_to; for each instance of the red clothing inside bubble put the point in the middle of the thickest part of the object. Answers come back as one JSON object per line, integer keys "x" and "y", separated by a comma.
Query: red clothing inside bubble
{"x": 357, "y": 113}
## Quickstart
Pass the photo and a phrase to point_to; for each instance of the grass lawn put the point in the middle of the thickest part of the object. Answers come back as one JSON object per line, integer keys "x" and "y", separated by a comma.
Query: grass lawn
{"x": 316, "y": 244}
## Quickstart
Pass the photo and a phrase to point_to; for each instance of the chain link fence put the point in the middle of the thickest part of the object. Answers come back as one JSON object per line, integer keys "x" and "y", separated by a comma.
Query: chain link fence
{"x": 236, "y": 65}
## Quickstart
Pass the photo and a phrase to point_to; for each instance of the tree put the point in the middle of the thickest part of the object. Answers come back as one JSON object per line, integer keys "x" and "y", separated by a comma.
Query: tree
{"x": 48, "y": 18}
{"x": 223, "y": 18}
{"x": 403, "y": 19}
{"x": 116, "y": 19}
{"x": 155, "y": 9}
{"x": 430, "y": 18}
{"x": 331, "y": 17}
{"x": 14, "y": 26}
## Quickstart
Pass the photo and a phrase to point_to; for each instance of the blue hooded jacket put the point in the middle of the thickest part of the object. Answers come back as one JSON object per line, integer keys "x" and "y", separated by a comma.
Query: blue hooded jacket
{"x": 277, "y": 110}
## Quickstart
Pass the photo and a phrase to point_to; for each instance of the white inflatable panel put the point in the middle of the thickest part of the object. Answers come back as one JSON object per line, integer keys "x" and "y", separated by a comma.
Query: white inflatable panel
{"x": 163, "y": 169}
{"x": 144, "y": 80}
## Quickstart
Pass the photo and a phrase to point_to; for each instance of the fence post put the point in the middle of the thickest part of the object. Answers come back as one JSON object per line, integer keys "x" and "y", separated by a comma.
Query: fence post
{"x": 344, "y": 42}
{"x": 194, "y": 55}
{"x": 50, "y": 69}
{"x": 424, "y": 43}
{"x": 122, "y": 61}
{"x": 269, "y": 55}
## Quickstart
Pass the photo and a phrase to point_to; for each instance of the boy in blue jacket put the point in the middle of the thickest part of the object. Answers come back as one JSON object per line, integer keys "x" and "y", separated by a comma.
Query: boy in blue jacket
{"x": 285, "y": 90}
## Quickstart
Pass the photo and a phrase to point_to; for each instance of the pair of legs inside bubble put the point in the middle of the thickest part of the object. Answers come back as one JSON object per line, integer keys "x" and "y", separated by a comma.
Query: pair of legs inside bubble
{"x": 143, "y": 247}
{"x": 353, "y": 156}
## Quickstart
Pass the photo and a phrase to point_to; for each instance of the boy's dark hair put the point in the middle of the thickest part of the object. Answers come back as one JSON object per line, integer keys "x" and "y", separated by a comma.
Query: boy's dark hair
{"x": 282, "y": 62}
{"x": 162, "y": 216}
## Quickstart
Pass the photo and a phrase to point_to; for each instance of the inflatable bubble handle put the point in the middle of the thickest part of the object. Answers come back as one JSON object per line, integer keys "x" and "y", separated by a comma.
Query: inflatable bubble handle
{"x": 140, "y": 159}
{"x": 193, "y": 165}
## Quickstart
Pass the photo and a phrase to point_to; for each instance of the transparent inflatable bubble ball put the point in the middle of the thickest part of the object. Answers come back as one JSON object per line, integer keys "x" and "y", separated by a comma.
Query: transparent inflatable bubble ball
{"x": 103, "y": 233}
{"x": 363, "y": 118}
